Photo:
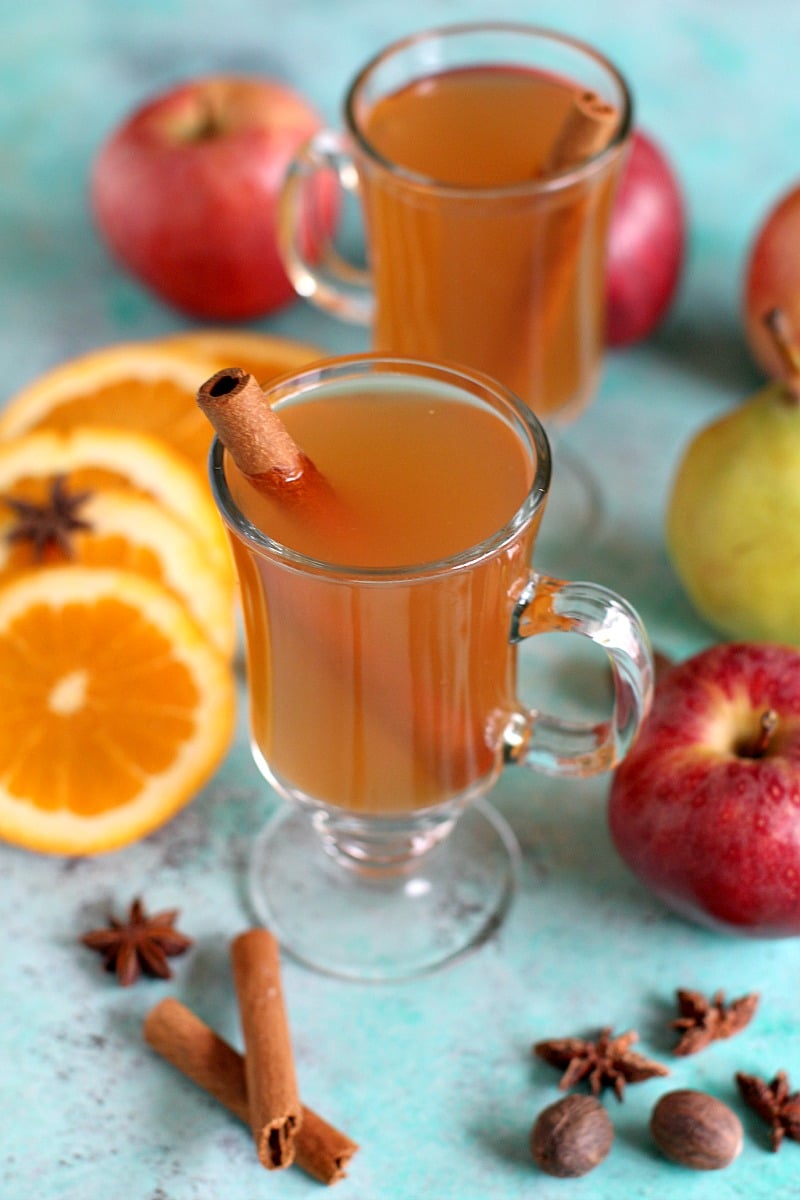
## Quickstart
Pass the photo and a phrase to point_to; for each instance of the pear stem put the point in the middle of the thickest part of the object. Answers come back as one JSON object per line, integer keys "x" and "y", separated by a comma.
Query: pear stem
{"x": 780, "y": 330}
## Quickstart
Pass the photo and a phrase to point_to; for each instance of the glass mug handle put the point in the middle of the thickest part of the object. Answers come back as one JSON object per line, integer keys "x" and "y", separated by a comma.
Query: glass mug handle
{"x": 556, "y": 747}
{"x": 332, "y": 283}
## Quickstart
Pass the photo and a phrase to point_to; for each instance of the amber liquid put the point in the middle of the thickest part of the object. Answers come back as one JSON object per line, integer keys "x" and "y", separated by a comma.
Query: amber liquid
{"x": 511, "y": 280}
{"x": 387, "y": 694}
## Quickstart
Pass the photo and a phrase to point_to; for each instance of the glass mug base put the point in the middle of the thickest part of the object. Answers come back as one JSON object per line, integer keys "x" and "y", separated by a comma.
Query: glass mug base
{"x": 380, "y": 926}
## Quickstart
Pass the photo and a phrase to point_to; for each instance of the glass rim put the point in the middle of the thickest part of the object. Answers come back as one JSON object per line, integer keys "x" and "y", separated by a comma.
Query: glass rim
{"x": 361, "y": 365}
{"x": 552, "y": 182}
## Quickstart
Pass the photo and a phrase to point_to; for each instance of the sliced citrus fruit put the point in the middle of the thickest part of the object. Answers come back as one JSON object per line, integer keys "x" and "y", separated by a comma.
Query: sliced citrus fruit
{"x": 263, "y": 355}
{"x": 116, "y": 708}
{"x": 147, "y": 386}
{"x": 96, "y": 458}
{"x": 134, "y": 385}
{"x": 122, "y": 529}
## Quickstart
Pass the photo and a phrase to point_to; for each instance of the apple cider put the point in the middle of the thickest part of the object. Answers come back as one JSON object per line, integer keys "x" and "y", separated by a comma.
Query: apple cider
{"x": 481, "y": 254}
{"x": 381, "y": 687}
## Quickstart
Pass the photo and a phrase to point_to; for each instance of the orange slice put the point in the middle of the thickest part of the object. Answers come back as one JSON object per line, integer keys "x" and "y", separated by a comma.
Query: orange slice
{"x": 148, "y": 387}
{"x": 98, "y": 458}
{"x": 134, "y": 385}
{"x": 131, "y": 532}
{"x": 116, "y": 708}
{"x": 262, "y": 354}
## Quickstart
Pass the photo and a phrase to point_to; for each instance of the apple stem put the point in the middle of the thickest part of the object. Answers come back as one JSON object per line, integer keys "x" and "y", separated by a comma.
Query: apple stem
{"x": 766, "y": 729}
{"x": 778, "y": 325}
{"x": 208, "y": 126}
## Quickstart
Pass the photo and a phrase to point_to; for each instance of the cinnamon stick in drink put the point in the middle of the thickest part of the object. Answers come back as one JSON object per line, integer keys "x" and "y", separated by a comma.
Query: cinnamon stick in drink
{"x": 587, "y": 130}
{"x": 257, "y": 439}
{"x": 274, "y": 1104}
{"x": 208, "y": 1060}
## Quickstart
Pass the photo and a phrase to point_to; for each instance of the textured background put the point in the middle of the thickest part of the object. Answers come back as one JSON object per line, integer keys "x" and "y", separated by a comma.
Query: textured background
{"x": 434, "y": 1078}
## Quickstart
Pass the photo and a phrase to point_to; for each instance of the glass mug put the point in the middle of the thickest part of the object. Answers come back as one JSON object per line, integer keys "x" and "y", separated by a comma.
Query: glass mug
{"x": 485, "y": 225}
{"x": 382, "y": 685}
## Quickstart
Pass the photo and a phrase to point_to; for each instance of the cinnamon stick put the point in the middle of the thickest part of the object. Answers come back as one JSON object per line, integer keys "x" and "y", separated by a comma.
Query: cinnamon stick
{"x": 194, "y": 1048}
{"x": 208, "y": 1060}
{"x": 322, "y": 1150}
{"x": 266, "y": 453}
{"x": 260, "y": 444}
{"x": 586, "y": 131}
{"x": 275, "y": 1110}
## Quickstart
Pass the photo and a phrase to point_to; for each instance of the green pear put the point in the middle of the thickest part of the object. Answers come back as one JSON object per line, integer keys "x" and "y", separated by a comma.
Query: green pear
{"x": 733, "y": 517}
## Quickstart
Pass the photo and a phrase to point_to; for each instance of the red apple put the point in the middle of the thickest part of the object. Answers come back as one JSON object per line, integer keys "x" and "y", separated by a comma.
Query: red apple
{"x": 772, "y": 279}
{"x": 185, "y": 193}
{"x": 705, "y": 809}
{"x": 646, "y": 244}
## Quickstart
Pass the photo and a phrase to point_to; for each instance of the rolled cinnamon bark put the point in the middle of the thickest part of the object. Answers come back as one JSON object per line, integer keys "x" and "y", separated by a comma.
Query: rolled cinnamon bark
{"x": 203, "y": 1056}
{"x": 322, "y": 1150}
{"x": 192, "y": 1046}
{"x": 586, "y": 131}
{"x": 262, "y": 447}
{"x": 275, "y": 1110}
{"x": 235, "y": 405}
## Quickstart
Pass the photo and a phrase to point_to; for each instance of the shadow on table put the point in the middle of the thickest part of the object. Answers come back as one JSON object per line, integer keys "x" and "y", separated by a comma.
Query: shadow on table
{"x": 710, "y": 346}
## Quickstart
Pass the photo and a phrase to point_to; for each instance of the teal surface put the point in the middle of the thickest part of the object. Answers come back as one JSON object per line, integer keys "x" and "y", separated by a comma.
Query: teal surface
{"x": 434, "y": 1078}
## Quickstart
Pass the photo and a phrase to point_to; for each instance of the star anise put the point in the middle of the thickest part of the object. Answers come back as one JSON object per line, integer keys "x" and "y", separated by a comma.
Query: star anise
{"x": 703, "y": 1021}
{"x": 606, "y": 1062}
{"x": 140, "y": 943}
{"x": 774, "y": 1104}
{"x": 50, "y": 524}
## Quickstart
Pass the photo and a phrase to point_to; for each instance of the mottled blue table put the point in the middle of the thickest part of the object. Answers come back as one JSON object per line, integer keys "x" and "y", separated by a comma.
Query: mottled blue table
{"x": 434, "y": 1078}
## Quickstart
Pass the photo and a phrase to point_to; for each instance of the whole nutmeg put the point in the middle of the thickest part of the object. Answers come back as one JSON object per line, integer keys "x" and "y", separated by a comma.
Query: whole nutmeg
{"x": 572, "y": 1136}
{"x": 696, "y": 1130}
